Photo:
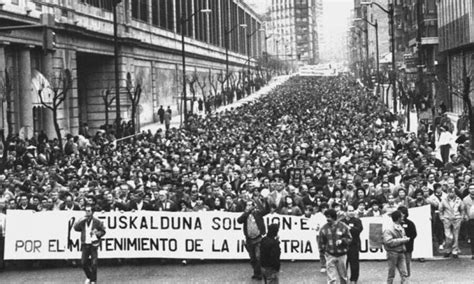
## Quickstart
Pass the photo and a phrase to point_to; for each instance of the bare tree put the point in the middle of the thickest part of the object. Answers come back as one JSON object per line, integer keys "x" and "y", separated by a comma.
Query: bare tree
{"x": 59, "y": 86}
{"x": 202, "y": 85}
{"x": 192, "y": 82}
{"x": 222, "y": 78}
{"x": 134, "y": 92}
{"x": 212, "y": 82}
{"x": 108, "y": 99}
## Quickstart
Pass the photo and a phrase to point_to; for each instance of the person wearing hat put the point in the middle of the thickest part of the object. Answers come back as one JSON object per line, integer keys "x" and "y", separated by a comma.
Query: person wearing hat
{"x": 270, "y": 254}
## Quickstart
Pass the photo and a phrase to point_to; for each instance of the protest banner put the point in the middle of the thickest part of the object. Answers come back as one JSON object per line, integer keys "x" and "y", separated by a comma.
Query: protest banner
{"x": 193, "y": 235}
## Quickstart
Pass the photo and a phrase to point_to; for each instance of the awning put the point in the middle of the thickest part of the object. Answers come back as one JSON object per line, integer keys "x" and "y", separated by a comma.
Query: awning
{"x": 40, "y": 83}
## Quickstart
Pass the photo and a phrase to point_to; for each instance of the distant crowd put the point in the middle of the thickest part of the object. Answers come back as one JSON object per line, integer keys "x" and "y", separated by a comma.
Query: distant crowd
{"x": 310, "y": 143}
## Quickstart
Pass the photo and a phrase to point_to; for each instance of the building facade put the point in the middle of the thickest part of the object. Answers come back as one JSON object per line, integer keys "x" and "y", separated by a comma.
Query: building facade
{"x": 421, "y": 53}
{"x": 295, "y": 26}
{"x": 456, "y": 47}
{"x": 415, "y": 37}
{"x": 149, "y": 48}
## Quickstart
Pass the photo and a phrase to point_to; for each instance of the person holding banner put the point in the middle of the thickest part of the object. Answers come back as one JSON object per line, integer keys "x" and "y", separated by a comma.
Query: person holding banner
{"x": 254, "y": 229}
{"x": 92, "y": 230}
{"x": 394, "y": 240}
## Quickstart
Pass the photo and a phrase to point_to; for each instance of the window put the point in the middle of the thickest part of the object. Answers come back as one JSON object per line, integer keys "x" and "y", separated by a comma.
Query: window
{"x": 140, "y": 10}
{"x": 162, "y": 14}
{"x": 103, "y": 4}
{"x": 200, "y": 20}
{"x": 184, "y": 9}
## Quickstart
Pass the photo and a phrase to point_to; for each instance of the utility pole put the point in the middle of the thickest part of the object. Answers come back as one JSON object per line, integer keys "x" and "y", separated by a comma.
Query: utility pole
{"x": 391, "y": 15}
{"x": 419, "y": 65}
{"x": 116, "y": 68}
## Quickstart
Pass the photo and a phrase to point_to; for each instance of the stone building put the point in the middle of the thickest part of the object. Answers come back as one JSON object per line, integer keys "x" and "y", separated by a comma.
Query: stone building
{"x": 149, "y": 48}
{"x": 295, "y": 26}
{"x": 456, "y": 47}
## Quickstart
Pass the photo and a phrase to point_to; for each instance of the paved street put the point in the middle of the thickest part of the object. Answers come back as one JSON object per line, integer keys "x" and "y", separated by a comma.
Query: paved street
{"x": 176, "y": 119}
{"x": 435, "y": 271}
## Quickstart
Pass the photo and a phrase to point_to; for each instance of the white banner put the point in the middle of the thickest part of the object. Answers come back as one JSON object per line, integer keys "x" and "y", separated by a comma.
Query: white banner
{"x": 194, "y": 235}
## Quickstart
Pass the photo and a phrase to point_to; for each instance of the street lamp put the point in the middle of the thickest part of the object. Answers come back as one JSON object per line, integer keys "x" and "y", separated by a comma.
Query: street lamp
{"x": 391, "y": 13}
{"x": 116, "y": 68}
{"x": 249, "y": 35}
{"x": 227, "y": 32}
{"x": 183, "y": 21}
{"x": 376, "y": 26}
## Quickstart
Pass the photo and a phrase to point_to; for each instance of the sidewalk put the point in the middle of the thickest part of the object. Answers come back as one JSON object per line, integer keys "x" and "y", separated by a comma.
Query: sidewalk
{"x": 176, "y": 120}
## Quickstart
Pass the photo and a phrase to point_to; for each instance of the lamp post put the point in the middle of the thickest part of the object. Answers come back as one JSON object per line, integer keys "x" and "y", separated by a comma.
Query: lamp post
{"x": 366, "y": 49}
{"x": 183, "y": 21}
{"x": 249, "y": 35}
{"x": 391, "y": 14}
{"x": 376, "y": 26}
{"x": 116, "y": 68}
{"x": 227, "y": 32}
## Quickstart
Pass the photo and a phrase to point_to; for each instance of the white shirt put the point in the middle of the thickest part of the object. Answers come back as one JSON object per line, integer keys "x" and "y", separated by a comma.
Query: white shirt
{"x": 3, "y": 218}
{"x": 88, "y": 233}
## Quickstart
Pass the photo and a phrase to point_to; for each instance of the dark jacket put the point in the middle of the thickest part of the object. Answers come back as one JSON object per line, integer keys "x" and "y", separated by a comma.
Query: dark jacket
{"x": 132, "y": 205}
{"x": 74, "y": 206}
{"x": 270, "y": 253}
{"x": 80, "y": 226}
{"x": 356, "y": 228}
{"x": 410, "y": 231}
{"x": 258, "y": 215}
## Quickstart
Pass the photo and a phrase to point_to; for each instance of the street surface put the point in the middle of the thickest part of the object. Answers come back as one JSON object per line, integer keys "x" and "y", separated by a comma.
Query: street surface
{"x": 432, "y": 271}
{"x": 176, "y": 119}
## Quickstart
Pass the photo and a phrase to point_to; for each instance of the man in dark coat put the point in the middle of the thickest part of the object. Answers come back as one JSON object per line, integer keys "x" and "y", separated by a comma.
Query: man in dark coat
{"x": 410, "y": 231}
{"x": 356, "y": 228}
{"x": 254, "y": 229}
{"x": 270, "y": 254}
{"x": 161, "y": 114}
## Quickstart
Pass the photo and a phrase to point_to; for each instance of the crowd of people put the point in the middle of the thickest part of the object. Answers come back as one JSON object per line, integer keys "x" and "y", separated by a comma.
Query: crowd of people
{"x": 311, "y": 143}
